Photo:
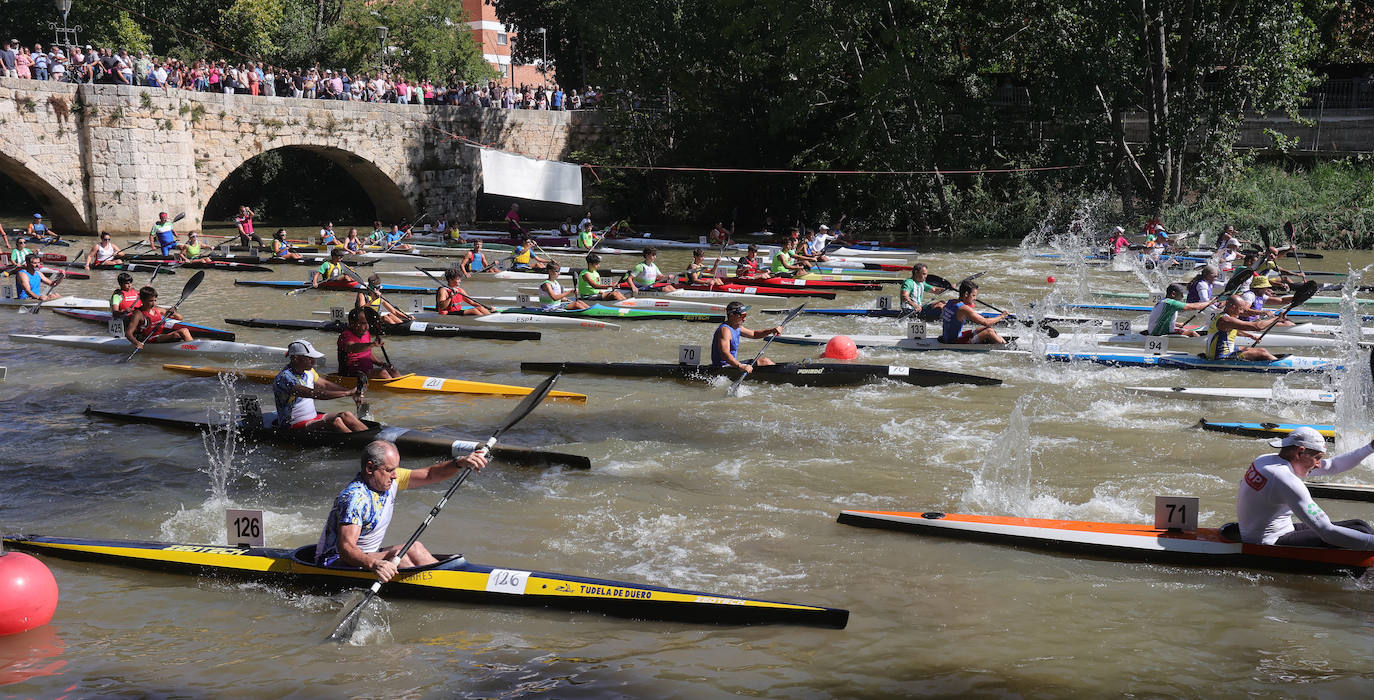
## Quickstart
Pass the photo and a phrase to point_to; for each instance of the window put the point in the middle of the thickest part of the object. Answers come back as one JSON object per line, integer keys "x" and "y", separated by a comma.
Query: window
{"x": 504, "y": 69}
{"x": 500, "y": 38}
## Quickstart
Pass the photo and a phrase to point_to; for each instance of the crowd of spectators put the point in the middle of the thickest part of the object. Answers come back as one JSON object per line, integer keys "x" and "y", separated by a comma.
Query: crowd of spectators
{"x": 110, "y": 67}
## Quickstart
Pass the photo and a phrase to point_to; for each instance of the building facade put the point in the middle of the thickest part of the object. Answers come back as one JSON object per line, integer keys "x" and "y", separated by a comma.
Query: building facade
{"x": 495, "y": 39}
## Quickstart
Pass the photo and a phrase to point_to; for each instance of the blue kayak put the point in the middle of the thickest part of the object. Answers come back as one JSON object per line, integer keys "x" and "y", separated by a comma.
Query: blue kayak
{"x": 1184, "y": 360}
{"x": 1265, "y": 430}
{"x": 1145, "y": 309}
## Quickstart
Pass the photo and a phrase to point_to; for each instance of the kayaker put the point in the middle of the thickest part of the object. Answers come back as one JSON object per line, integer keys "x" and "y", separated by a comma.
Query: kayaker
{"x": 103, "y": 253}
{"x": 327, "y": 236}
{"x": 587, "y": 238}
{"x": 329, "y": 270}
{"x": 161, "y": 236}
{"x": 244, "y": 223}
{"x": 589, "y": 284}
{"x": 21, "y": 252}
{"x": 957, "y": 312}
{"x": 1162, "y": 317}
{"x": 378, "y": 235}
{"x": 357, "y": 524}
{"x": 913, "y": 294}
{"x": 1270, "y": 264}
{"x": 1227, "y": 235}
{"x": 801, "y": 252}
{"x": 822, "y": 238}
{"x": 192, "y": 251}
{"x": 125, "y": 298}
{"x": 29, "y": 281}
{"x": 1200, "y": 287}
{"x": 1261, "y": 292}
{"x": 477, "y": 260}
{"x": 393, "y": 241}
{"x": 699, "y": 273}
{"x": 147, "y": 323}
{"x": 646, "y": 274}
{"x": 552, "y": 296}
{"x": 725, "y": 342}
{"x": 1272, "y": 492}
{"x": 1225, "y": 326}
{"x": 523, "y": 258}
{"x": 355, "y": 349}
{"x": 784, "y": 265}
{"x": 719, "y": 235}
{"x": 747, "y": 267}
{"x": 353, "y": 244}
{"x": 1119, "y": 242}
{"x": 281, "y": 249}
{"x": 1226, "y": 257}
{"x": 513, "y": 222}
{"x": 298, "y": 385}
{"x": 448, "y": 299}
{"x": 37, "y": 230}
{"x": 371, "y": 296}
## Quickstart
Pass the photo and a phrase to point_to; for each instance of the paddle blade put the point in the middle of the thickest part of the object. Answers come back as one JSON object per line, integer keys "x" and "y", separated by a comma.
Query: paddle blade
{"x": 1288, "y": 231}
{"x": 191, "y": 285}
{"x": 178, "y": 217}
{"x": 1304, "y": 292}
{"x": 347, "y": 621}
{"x": 527, "y": 405}
{"x": 1264, "y": 236}
{"x": 1237, "y": 279}
{"x": 939, "y": 282}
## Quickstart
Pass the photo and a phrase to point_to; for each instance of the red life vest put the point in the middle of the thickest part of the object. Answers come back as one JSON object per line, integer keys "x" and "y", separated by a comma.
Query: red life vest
{"x": 128, "y": 300}
{"x": 152, "y": 323}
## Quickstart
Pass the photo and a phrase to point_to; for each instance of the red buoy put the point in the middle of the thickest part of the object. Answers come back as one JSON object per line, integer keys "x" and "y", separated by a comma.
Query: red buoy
{"x": 1050, "y": 279}
{"x": 841, "y": 347}
{"x": 28, "y": 593}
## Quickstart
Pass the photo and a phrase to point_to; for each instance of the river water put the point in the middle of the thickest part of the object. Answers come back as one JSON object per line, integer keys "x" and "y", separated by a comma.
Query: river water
{"x": 688, "y": 489}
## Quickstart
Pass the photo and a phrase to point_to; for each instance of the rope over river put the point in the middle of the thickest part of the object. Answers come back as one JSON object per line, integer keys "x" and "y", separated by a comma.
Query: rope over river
{"x": 693, "y": 490}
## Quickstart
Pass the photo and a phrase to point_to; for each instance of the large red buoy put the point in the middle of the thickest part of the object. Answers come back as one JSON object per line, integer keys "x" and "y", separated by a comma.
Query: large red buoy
{"x": 28, "y": 593}
{"x": 840, "y": 347}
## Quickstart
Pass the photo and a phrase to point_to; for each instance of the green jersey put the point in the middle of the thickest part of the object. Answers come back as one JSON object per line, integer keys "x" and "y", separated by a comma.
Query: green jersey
{"x": 1162, "y": 316}
{"x": 781, "y": 260}
{"x": 917, "y": 292}
{"x": 587, "y": 290}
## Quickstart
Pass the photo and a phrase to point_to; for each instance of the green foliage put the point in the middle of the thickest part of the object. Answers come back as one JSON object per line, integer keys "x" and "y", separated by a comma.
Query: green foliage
{"x": 125, "y": 33}
{"x": 250, "y": 26}
{"x": 427, "y": 39}
{"x": 1331, "y": 204}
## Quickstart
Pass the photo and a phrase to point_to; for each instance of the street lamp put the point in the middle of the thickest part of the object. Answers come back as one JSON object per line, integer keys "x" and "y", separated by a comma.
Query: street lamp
{"x": 381, "y": 48}
{"x": 543, "y": 72}
{"x": 63, "y": 34}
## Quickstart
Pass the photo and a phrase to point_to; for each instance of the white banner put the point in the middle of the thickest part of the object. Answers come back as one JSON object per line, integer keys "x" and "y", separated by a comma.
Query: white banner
{"x": 527, "y": 178}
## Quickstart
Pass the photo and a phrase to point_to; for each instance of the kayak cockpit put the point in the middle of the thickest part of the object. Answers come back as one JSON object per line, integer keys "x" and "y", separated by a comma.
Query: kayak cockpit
{"x": 306, "y": 556}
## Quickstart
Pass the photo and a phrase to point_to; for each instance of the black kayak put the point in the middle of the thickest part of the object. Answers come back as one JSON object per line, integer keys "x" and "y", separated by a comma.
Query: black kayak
{"x": 116, "y": 267}
{"x": 257, "y": 261}
{"x": 411, "y": 443}
{"x": 433, "y": 330}
{"x": 799, "y": 373}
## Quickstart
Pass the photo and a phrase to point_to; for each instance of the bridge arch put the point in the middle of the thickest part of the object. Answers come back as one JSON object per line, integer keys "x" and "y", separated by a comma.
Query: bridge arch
{"x": 58, "y": 208}
{"x": 386, "y": 190}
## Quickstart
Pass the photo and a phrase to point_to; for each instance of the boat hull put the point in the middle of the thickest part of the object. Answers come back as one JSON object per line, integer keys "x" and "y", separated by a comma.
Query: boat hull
{"x": 801, "y": 374}
{"x": 406, "y": 383}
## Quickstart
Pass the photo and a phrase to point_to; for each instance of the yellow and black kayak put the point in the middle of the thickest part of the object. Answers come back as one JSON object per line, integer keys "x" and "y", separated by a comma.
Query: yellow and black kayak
{"x": 409, "y": 383}
{"x": 1264, "y": 430}
{"x": 452, "y": 579}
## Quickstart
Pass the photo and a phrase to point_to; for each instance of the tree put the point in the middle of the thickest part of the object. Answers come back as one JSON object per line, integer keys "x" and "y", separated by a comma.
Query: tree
{"x": 427, "y": 39}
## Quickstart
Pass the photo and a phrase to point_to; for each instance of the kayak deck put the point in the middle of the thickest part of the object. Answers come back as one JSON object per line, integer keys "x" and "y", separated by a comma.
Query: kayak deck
{"x": 799, "y": 373}
{"x": 453, "y": 579}
{"x": 406, "y": 383}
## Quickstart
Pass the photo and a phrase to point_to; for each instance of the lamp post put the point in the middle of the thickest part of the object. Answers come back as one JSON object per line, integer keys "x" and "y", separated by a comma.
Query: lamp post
{"x": 381, "y": 48}
{"x": 63, "y": 35}
{"x": 543, "y": 73}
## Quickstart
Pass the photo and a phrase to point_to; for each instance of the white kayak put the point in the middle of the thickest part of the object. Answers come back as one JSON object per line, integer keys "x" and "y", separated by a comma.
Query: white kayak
{"x": 1223, "y": 394}
{"x": 894, "y": 342}
{"x": 62, "y": 303}
{"x": 199, "y": 348}
{"x": 507, "y": 319}
{"x": 1272, "y": 340}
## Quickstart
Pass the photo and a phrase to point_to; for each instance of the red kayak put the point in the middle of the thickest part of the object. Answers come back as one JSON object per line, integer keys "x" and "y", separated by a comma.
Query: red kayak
{"x": 812, "y": 284}
{"x": 52, "y": 257}
{"x": 751, "y": 289}
{"x": 103, "y": 317}
{"x": 10, "y": 269}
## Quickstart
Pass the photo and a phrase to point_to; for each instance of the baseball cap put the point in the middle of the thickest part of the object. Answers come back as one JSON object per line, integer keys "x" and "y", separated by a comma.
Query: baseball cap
{"x": 1118, "y": 229}
{"x": 37, "y": 216}
{"x": 1302, "y": 437}
{"x": 823, "y": 227}
{"x": 1233, "y": 243}
{"x": 303, "y": 347}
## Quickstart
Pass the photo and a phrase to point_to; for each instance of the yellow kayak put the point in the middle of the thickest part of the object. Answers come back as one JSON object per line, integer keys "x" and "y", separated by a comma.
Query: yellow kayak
{"x": 405, "y": 383}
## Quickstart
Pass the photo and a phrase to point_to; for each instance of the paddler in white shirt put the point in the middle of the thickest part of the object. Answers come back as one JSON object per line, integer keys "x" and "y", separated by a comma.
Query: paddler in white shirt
{"x": 1163, "y": 316}
{"x": 103, "y": 253}
{"x": 552, "y": 296}
{"x": 646, "y": 274}
{"x": 298, "y": 385}
{"x": 589, "y": 284}
{"x": 725, "y": 341}
{"x": 1272, "y": 492}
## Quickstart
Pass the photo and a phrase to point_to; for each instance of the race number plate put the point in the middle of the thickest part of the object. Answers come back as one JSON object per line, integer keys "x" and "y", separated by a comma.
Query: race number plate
{"x": 507, "y": 581}
{"x": 1121, "y": 327}
{"x": 224, "y": 249}
{"x": 337, "y": 313}
{"x": 916, "y": 331}
{"x": 1176, "y": 513}
{"x": 419, "y": 326}
{"x": 689, "y": 354}
{"x": 433, "y": 383}
{"x": 898, "y": 371}
{"x": 522, "y": 299}
{"x": 116, "y": 326}
{"x": 1157, "y": 344}
{"x": 884, "y": 303}
{"x": 7, "y": 292}
{"x": 245, "y": 527}
{"x": 417, "y": 304}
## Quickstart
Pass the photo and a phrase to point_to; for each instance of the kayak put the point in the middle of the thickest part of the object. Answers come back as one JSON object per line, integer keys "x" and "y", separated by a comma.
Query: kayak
{"x": 894, "y": 342}
{"x": 59, "y": 303}
{"x": 750, "y": 289}
{"x": 121, "y": 267}
{"x": 798, "y": 373}
{"x": 1314, "y": 301}
{"x": 406, "y": 383}
{"x": 212, "y": 264}
{"x": 1341, "y": 492}
{"x": 103, "y": 318}
{"x": 661, "y": 304}
{"x": 1207, "y": 547}
{"x": 411, "y": 443}
{"x": 1295, "y": 313}
{"x": 206, "y": 348}
{"x": 1184, "y": 360}
{"x": 452, "y": 579}
{"x": 335, "y": 285}
{"x": 1178, "y": 392}
{"x": 7, "y": 270}
{"x": 419, "y": 328}
{"x": 789, "y": 282}
{"x": 1195, "y": 343}
{"x": 252, "y": 261}
{"x": 518, "y": 319}
{"x": 1264, "y": 430}
{"x": 625, "y": 313}
{"x": 717, "y": 294}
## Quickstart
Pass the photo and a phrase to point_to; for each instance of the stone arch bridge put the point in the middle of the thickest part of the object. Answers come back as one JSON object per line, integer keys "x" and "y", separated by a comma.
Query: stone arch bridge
{"x": 109, "y": 158}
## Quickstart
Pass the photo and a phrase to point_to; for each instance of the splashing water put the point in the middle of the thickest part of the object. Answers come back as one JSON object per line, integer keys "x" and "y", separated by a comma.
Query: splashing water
{"x": 1003, "y": 483}
{"x": 1356, "y": 386}
{"x": 224, "y": 463}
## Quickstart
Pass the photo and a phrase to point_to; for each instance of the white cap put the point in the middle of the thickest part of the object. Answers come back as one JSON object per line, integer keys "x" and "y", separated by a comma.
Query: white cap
{"x": 303, "y": 347}
{"x": 1118, "y": 229}
{"x": 823, "y": 227}
{"x": 1302, "y": 437}
{"x": 1233, "y": 243}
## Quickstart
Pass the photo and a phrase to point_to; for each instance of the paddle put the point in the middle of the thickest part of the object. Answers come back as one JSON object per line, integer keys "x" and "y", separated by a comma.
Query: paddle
{"x": 186, "y": 291}
{"x": 734, "y": 388}
{"x": 443, "y": 284}
{"x": 1293, "y": 243}
{"x": 353, "y": 275}
{"x": 374, "y": 326}
{"x": 348, "y": 621}
{"x": 61, "y": 275}
{"x": 364, "y": 408}
{"x": 1300, "y": 295}
{"x": 175, "y": 219}
{"x": 1051, "y": 331}
{"x": 408, "y": 227}
{"x": 1237, "y": 279}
